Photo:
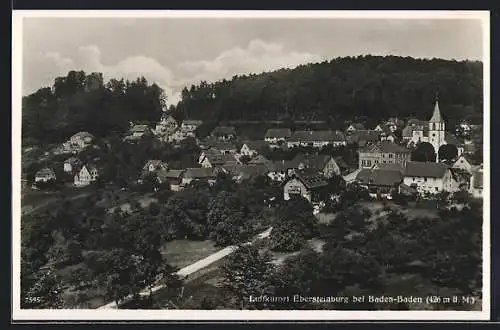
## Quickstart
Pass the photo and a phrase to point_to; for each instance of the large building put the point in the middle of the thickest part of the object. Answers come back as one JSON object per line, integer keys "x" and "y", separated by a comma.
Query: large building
{"x": 432, "y": 132}
{"x": 383, "y": 152}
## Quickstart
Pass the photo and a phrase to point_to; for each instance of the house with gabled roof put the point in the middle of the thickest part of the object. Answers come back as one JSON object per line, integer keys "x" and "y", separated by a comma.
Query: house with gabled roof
{"x": 277, "y": 136}
{"x": 45, "y": 174}
{"x": 252, "y": 148}
{"x": 224, "y": 133}
{"x": 309, "y": 185}
{"x": 431, "y": 178}
{"x": 81, "y": 139}
{"x": 355, "y": 127}
{"x": 171, "y": 177}
{"x": 188, "y": 125}
{"x": 154, "y": 165}
{"x": 214, "y": 160}
{"x": 324, "y": 164}
{"x": 240, "y": 172}
{"x": 316, "y": 139}
{"x": 207, "y": 174}
{"x": 364, "y": 137}
{"x": 379, "y": 182}
{"x": 136, "y": 132}
{"x": 87, "y": 174}
{"x": 464, "y": 162}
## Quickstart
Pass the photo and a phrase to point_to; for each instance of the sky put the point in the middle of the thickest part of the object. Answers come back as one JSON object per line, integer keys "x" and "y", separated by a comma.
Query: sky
{"x": 178, "y": 52}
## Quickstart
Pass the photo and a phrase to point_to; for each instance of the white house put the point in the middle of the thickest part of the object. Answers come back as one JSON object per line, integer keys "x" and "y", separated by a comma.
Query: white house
{"x": 277, "y": 136}
{"x": 355, "y": 127}
{"x": 463, "y": 162}
{"x": 316, "y": 139}
{"x": 306, "y": 185}
{"x": 476, "y": 182}
{"x": 72, "y": 164}
{"x": 190, "y": 125}
{"x": 251, "y": 148}
{"x": 86, "y": 175}
{"x": 278, "y": 170}
{"x": 154, "y": 165}
{"x": 81, "y": 140}
{"x": 44, "y": 175}
{"x": 428, "y": 177}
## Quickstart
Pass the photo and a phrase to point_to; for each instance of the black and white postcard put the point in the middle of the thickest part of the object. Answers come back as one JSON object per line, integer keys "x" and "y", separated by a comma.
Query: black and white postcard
{"x": 234, "y": 165}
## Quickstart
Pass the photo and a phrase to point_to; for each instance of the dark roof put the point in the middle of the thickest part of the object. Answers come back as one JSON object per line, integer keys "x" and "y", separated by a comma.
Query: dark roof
{"x": 357, "y": 126}
{"x": 390, "y": 167}
{"x": 220, "y": 159}
{"x": 425, "y": 169}
{"x": 278, "y": 133}
{"x": 317, "y": 136}
{"x": 364, "y": 135}
{"x": 311, "y": 180}
{"x": 341, "y": 162}
{"x": 246, "y": 171}
{"x": 280, "y": 166}
{"x": 220, "y": 145}
{"x": 380, "y": 177}
{"x": 385, "y": 147}
{"x": 255, "y": 144}
{"x": 219, "y": 130}
{"x": 199, "y": 173}
{"x": 316, "y": 162}
{"x": 259, "y": 159}
{"x": 170, "y": 174}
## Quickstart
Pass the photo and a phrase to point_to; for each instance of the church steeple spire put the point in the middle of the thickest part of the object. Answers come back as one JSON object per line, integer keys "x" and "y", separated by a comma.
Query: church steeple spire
{"x": 436, "y": 115}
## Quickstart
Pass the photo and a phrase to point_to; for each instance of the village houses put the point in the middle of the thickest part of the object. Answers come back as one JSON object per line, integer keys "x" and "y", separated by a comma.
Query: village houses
{"x": 87, "y": 174}
{"x": 72, "y": 164}
{"x": 171, "y": 177}
{"x": 316, "y": 139}
{"x": 323, "y": 164}
{"x": 190, "y": 125}
{"x": 136, "y": 132}
{"x": 431, "y": 178}
{"x": 45, "y": 174}
{"x": 309, "y": 185}
{"x": 215, "y": 160}
{"x": 380, "y": 182}
{"x": 251, "y": 148}
{"x": 224, "y": 133}
{"x": 166, "y": 126}
{"x": 81, "y": 140}
{"x": 276, "y": 137}
{"x": 206, "y": 174}
{"x": 355, "y": 127}
{"x": 362, "y": 138}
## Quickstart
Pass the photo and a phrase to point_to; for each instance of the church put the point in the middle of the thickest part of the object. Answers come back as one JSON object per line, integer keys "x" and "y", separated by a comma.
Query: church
{"x": 432, "y": 132}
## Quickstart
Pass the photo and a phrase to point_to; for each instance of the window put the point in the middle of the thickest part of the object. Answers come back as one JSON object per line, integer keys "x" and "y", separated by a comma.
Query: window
{"x": 425, "y": 179}
{"x": 391, "y": 155}
{"x": 436, "y": 188}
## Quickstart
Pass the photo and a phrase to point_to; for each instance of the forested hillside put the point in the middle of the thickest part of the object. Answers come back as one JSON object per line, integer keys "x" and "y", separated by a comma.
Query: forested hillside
{"x": 81, "y": 102}
{"x": 370, "y": 86}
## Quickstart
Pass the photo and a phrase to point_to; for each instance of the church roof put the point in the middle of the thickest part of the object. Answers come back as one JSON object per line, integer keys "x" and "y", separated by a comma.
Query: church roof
{"x": 436, "y": 115}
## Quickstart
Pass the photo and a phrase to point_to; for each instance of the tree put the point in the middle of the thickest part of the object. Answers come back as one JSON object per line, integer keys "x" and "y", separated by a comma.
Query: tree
{"x": 42, "y": 290}
{"x": 424, "y": 153}
{"x": 247, "y": 274}
{"x": 226, "y": 219}
{"x": 447, "y": 152}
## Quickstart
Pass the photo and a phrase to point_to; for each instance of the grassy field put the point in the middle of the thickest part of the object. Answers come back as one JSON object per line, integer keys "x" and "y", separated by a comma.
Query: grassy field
{"x": 34, "y": 200}
{"x": 181, "y": 253}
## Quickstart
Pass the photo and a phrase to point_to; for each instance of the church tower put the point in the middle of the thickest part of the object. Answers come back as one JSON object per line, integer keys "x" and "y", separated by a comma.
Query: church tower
{"x": 436, "y": 128}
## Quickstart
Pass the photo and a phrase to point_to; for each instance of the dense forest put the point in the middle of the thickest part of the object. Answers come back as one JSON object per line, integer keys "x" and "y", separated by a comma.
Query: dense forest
{"x": 366, "y": 88}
